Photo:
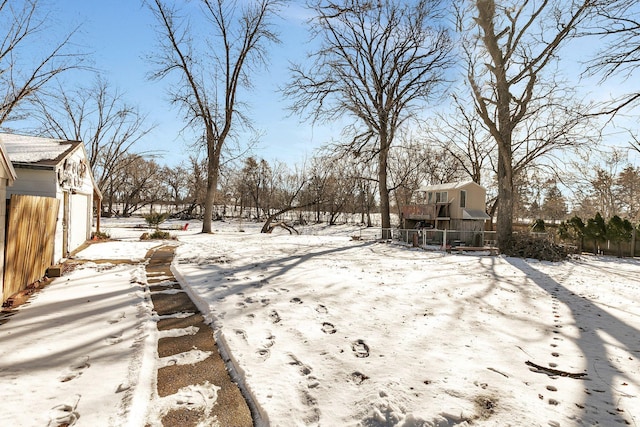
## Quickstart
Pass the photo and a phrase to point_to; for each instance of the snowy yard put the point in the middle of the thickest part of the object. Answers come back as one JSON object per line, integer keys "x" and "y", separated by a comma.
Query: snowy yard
{"x": 327, "y": 330}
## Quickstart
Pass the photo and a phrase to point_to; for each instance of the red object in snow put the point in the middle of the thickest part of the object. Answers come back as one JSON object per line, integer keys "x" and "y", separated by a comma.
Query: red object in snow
{"x": 184, "y": 227}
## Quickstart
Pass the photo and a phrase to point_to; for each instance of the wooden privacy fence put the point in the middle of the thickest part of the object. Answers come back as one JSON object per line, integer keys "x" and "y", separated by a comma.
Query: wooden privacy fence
{"x": 30, "y": 235}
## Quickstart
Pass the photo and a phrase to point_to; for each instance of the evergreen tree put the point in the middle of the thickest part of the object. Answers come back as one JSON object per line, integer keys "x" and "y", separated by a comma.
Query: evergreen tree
{"x": 554, "y": 206}
{"x": 572, "y": 231}
{"x": 596, "y": 230}
{"x": 619, "y": 231}
{"x": 538, "y": 226}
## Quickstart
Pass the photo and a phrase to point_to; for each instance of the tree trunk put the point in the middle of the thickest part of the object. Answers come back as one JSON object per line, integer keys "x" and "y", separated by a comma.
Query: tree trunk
{"x": 383, "y": 188}
{"x": 213, "y": 166}
{"x": 504, "y": 218}
{"x": 267, "y": 227}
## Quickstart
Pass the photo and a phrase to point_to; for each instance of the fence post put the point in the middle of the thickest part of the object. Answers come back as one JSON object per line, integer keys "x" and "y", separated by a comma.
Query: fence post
{"x": 444, "y": 239}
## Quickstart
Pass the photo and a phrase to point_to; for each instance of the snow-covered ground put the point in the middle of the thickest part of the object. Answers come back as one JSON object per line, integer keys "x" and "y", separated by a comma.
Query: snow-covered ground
{"x": 76, "y": 352}
{"x": 328, "y": 330}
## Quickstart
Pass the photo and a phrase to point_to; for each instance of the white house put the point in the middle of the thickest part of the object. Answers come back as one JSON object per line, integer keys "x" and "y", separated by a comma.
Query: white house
{"x": 59, "y": 169}
{"x": 7, "y": 178}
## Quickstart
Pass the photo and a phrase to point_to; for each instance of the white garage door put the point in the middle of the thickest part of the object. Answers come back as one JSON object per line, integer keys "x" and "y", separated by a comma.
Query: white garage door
{"x": 79, "y": 230}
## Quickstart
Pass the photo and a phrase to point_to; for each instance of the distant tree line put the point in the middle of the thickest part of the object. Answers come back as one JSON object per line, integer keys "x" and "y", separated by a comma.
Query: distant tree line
{"x": 254, "y": 188}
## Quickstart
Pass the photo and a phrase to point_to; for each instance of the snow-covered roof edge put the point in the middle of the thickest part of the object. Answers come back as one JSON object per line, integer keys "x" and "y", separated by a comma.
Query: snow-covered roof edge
{"x": 62, "y": 151}
{"x": 6, "y": 163}
{"x": 450, "y": 186}
{"x": 37, "y": 151}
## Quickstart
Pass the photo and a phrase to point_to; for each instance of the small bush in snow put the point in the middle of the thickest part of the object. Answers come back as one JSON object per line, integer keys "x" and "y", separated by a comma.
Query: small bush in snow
{"x": 154, "y": 219}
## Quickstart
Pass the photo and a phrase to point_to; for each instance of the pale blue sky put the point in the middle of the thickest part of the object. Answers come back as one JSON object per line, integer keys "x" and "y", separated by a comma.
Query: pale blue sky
{"x": 119, "y": 33}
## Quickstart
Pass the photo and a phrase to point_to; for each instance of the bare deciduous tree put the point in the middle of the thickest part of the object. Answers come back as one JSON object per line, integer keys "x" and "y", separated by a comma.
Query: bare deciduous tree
{"x": 619, "y": 27}
{"x": 133, "y": 185}
{"x": 628, "y": 192}
{"x": 196, "y": 185}
{"x": 415, "y": 163}
{"x": 594, "y": 182}
{"x": 255, "y": 178}
{"x": 293, "y": 196}
{"x": 510, "y": 63}
{"x": 175, "y": 180}
{"x": 463, "y": 135}
{"x": 378, "y": 62}
{"x": 28, "y": 60}
{"x": 338, "y": 184}
{"x": 233, "y": 40}
{"x": 98, "y": 116}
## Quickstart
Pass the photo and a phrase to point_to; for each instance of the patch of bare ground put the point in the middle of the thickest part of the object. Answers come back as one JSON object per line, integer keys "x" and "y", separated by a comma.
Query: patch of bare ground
{"x": 485, "y": 406}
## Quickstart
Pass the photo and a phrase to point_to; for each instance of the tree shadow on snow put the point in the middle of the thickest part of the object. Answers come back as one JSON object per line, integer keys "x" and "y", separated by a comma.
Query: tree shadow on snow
{"x": 271, "y": 269}
{"x": 606, "y": 342}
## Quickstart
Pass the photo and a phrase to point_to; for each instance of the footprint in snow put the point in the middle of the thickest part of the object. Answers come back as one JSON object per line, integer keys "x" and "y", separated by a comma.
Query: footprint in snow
{"x": 296, "y": 300}
{"x": 114, "y": 338}
{"x": 263, "y": 353}
{"x": 269, "y": 341}
{"x": 63, "y": 414}
{"x": 304, "y": 369}
{"x": 275, "y": 317}
{"x": 328, "y": 328}
{"x": 117, "y": 318}
{"x": 358, "y": 377}
{"x": 321, "y": 309}
{"x": 75, "y": 370}
{"x": 241, "y": 333}
{"x": 360, "y": 348}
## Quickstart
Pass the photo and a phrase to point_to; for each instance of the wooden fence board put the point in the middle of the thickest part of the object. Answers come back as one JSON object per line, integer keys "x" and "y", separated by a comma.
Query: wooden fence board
{"x": 31, "y": 227}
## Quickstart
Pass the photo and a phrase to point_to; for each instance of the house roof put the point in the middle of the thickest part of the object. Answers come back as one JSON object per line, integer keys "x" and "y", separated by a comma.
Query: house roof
{"x": 450, "y": 186}
{"x": 37, "y": 151}
{"x": 6, "y": 163}
{"x": 474, "y": 214}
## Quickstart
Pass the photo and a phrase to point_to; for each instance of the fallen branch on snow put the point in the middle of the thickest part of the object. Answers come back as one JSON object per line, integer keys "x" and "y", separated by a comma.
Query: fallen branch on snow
{"x": 550, "y": 371}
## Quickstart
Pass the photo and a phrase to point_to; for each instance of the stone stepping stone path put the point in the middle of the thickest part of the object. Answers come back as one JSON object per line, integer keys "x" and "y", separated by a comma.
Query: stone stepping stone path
{"x": 213, "y": 396}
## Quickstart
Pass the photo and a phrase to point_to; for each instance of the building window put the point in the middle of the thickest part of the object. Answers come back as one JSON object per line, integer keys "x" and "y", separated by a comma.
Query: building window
{"x": 441, "y": 197}
{"x": 463, "y": 199}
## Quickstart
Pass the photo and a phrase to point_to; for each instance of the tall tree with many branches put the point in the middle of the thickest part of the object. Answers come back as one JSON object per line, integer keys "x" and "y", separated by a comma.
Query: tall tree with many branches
{"x": 618, "y": 25}
{"x": 100, "y": 117}
{"x": 28, "y": 61}
{"x": 511, "y": 52}
{"x": 379, "y": 63}
{"x": 211, "y": 68}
